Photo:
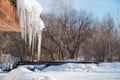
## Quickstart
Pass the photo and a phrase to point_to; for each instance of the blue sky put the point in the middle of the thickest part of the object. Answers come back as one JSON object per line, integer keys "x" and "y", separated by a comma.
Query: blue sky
{"x": 97, "y": 7}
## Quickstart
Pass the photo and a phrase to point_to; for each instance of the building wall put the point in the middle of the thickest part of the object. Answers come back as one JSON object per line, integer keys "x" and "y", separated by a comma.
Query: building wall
{"x": 9, "y": 20}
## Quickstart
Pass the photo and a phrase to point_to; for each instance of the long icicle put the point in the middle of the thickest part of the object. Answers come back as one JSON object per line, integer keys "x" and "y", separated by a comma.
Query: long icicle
{"x": 31, "y": 23}
{"x": 39, "y": 44}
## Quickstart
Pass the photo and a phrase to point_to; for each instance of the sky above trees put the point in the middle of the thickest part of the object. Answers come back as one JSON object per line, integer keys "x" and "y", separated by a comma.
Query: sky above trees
{"x": 97, "y": 7}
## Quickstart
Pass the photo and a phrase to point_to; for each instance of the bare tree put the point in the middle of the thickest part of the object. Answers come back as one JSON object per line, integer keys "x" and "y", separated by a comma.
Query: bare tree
{"x": 65, "y": 34}
{"x": 103, "y": 46}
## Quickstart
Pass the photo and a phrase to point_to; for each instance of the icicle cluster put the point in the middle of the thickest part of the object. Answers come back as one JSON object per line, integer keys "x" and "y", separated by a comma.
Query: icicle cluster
{"x": 30, "y": 22}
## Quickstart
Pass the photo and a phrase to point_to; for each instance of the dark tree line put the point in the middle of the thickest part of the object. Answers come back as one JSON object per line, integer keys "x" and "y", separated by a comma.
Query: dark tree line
{"x": 80, "y": 36}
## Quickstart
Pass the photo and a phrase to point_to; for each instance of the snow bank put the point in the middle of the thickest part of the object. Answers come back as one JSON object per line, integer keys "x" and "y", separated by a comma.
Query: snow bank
{"x": 108, "y": 67}
{"x": 29, "y": 67}
{"x": 33, "y": 67}
{"x": 76, "y": 67}
{"x": 72, "y": 67}
{"x": 25, "y": 74}
{"x": 69, "y": 60}
{"x": 68, "y": 67}
{"x": 40, "y": 67}
{"x": 69, "y": 71}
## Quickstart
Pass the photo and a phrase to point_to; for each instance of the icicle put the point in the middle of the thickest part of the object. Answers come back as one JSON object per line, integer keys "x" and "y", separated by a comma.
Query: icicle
{"x": 30, "y": 22}
{"x": 30, "y": 37}
{"x": 39, "y": 44}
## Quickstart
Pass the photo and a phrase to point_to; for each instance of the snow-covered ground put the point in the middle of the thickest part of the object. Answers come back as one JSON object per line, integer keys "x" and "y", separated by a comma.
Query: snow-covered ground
{"x": 70, "y": 71}
{"x": 66, "y": 76}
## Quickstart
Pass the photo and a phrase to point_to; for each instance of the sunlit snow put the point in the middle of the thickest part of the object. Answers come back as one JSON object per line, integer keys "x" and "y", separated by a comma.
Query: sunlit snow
{"x": 70, "y": 71}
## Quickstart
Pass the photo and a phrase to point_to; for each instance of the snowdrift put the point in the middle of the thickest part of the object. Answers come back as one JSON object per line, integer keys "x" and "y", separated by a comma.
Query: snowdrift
{"x": 72, "y": 67}
{"x": 25, "y": 74}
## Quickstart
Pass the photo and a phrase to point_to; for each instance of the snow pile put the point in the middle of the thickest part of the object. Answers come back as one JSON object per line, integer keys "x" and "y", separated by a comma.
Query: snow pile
{"x": 69, "y": 71}
{"x": 33, "y": 67}
{"x": 108, "y": 67}
{"x": 114, "y": 64}
{"x": 69, "y": 60}
{"x": 29, "y": 67}
{"x": 72, "y": 67}
{"x": 24, "y": 74}
{"x": 30, "y": 22}
{"x": 39, "y": 67}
